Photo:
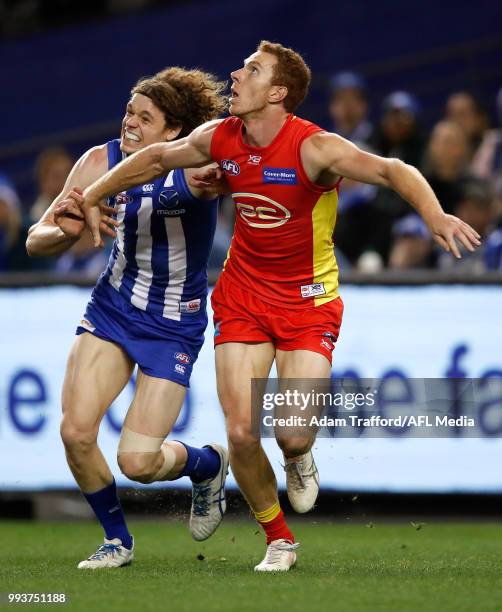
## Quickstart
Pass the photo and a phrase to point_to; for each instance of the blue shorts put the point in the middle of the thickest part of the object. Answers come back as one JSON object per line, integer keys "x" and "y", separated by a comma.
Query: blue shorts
{"x": 161, "y": 347}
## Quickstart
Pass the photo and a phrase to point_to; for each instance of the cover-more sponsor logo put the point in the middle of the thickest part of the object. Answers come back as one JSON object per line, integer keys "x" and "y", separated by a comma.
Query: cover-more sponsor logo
{"x": 260, "y": 211}
{"x": 312, "y": 290}
{"x": 280, "y": 176}
{"x": 230, "y": 167}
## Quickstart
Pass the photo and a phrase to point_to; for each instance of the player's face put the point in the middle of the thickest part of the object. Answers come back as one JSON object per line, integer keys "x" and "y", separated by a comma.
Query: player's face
{"x": 251, "y": 89}
{"x": 143, "y": 124}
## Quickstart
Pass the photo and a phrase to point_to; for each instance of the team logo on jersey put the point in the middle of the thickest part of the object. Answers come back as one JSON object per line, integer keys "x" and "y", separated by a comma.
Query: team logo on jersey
{"x": 182, "y": 357}
{"x": 264, "y": 212}
{"x": 327, "y": 345}
{"x": 312, "y": 290}
{"x": 169, "y": 201}
{"x": 149, "y": 187}
{"x": 217, "y": 331}
{"x": 169, "y": 198}
{"x": 122, "y": 198}
{"x": 254, "y": 159}
{"x": 180, "y": 369}
{"x": 280, "y": 176}
{"x": 87, "y": 325}
{"x": 230, "y": 167}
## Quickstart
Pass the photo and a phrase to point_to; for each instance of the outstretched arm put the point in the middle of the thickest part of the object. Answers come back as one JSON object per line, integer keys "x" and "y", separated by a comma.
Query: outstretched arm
{"x": 62, "y": 224}
{"x": 145, "y": 165}
{"x": 328, "y": 156}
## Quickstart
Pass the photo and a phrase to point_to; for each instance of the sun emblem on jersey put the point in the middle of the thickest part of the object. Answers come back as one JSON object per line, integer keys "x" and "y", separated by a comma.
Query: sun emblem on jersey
{"x": 265, "y": 212}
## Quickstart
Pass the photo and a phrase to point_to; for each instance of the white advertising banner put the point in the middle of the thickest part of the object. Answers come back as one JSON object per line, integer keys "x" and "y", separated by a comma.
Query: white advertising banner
{"x": 414, "y": 332}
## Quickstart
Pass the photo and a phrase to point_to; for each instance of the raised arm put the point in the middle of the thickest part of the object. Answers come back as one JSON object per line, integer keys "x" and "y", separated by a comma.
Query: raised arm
{"x": 327, "y": 156}
{"x": 145, "y": 165}
{"x": 62, "y": 224}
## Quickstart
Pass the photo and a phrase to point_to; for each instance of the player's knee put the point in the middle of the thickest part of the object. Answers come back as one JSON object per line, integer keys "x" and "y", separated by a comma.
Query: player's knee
{"x": 240, "y": 438}
{"x": 293, "y": 446}
{"x": 139, "y": 467}
{"x": 78, "y": 440}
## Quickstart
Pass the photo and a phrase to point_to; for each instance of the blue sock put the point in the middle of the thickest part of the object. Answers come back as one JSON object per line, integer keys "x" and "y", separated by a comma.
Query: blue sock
{"x": 107, "y": 508}
{"x": 202, "y": 463}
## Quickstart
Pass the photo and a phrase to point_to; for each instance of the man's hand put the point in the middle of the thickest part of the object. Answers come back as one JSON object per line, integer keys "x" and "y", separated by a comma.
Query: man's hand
{"x": 447, "y": 229}
{"x": 211, "y": 179}
{"x": 70, "y": 219}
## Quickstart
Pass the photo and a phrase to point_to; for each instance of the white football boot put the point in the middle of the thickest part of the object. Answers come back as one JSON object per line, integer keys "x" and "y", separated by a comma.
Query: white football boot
{"x": 302, "y": 481}
{"x": 109, "y": 554}
{"x": 208, "y": 500}
{"x": 280, "y": 556}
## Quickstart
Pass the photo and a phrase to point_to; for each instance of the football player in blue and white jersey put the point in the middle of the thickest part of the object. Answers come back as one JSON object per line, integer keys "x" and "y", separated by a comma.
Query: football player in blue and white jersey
{"x": 148, "y": 308}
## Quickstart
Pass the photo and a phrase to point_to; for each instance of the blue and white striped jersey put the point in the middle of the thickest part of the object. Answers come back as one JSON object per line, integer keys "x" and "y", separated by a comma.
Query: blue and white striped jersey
{"x": 159, "y": 258}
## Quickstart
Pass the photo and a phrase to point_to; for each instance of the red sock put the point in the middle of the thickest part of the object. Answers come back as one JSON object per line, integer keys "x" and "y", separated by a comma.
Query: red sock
{"x": 277, "y": 529}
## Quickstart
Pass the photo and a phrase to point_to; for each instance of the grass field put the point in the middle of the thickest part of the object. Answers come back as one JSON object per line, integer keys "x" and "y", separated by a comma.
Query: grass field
{"x": 438, "y": 567}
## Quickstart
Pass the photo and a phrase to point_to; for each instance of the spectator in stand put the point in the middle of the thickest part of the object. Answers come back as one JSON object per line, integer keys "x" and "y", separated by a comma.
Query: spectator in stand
{"x": 445, "y": 168}
{"x": 413, "y": 246}
{"x": 399, "y": 135}
{"x": 446, "y": 163}
{"x": 348, "y": 107}
{"x": 465, "y": 109}
{"x": 9, "y": 220}
{"x": 487, "y": 161}
{"x": 476, "y": 208}
{"x": 51, "y": 169}
{"x": 355, "y": 218}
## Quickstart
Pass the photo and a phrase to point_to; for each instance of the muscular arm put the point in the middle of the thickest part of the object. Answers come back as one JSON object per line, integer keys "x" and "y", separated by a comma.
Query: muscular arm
{"x": 326, "y": 157}
{"x": 147, "y": 164}
{"x": 45, "y": 238}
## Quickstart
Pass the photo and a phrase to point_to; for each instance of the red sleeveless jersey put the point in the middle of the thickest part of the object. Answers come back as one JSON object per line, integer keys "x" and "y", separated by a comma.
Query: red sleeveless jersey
{"x": 282, "y": 248}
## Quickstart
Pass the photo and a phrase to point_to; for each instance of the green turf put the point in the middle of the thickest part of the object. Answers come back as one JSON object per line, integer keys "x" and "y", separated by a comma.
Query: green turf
{"x": 340, "y": 567}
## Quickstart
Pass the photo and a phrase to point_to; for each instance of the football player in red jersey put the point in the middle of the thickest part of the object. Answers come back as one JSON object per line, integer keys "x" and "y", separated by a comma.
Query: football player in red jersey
{"x": 277, "y": 297}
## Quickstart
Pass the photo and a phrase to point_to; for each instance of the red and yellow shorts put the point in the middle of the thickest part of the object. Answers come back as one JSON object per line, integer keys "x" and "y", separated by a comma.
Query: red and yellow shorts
{"x": 241, "y": 316}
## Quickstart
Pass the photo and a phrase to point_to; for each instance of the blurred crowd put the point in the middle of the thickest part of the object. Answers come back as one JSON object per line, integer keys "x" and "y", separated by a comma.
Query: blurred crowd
{"x": 461, "y": 157}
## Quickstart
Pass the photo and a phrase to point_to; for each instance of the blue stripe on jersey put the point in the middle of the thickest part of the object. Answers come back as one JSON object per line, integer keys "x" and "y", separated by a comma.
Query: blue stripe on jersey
{"x": 115, "y": 155}
{"x": 160, "y": 255}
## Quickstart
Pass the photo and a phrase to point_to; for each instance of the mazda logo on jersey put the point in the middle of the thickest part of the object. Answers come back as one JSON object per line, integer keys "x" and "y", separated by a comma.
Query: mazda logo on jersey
{"x": 230, "y": 167}
{"x": 168, "y": 198}
{"x": 260, "y": 211}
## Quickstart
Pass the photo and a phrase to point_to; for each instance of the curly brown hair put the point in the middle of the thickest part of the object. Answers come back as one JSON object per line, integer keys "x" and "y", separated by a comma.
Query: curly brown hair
{"x": 186, "y": 97}
{"x": 291, "y": 72}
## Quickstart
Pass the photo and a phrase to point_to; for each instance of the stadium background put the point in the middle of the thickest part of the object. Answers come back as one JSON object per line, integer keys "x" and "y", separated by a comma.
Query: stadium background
{"x": 66, "y": 74}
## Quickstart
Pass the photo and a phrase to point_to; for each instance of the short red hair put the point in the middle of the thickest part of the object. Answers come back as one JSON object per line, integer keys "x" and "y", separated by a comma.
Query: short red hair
{"x": 291, "y": 72}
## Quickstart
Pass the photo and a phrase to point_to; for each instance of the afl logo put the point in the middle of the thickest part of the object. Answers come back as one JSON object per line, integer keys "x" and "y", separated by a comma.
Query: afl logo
{"x": 122, "y": 198}
{"x": 183, "y": 357}
{"x": 230, "y": 167}
{"x": 260, "y": 211}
